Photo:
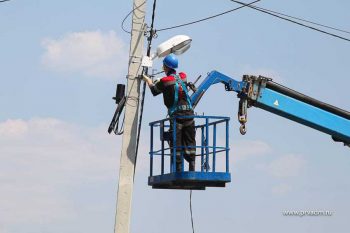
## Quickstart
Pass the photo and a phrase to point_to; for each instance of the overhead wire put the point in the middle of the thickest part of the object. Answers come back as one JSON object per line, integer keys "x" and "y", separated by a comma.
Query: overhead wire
{"x": 206, "y": 18}
{"x": 134, "y": 9}
{"x": 272, "y": 13}
{"x": 292, "y": 21}
{"x": 5, "y": 0}
{"x": 304, "y": 20}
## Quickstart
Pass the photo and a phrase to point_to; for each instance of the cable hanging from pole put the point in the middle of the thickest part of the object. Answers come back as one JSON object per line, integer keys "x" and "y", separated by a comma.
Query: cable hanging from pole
{"x": 122, "y": 24}
{"x": 191, "y": 211}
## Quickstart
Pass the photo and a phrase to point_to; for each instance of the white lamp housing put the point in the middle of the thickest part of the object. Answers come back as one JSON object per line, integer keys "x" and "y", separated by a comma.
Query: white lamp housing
{"x": 177, "y": 45}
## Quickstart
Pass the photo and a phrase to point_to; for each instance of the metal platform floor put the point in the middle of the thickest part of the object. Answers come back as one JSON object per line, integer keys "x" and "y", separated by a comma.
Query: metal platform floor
{"x": 189, "y": 180}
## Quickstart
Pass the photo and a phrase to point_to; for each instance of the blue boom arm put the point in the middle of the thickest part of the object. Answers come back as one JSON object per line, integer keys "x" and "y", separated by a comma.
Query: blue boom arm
{"x": 215, "y": 77}
{"x": 261, "y": 92}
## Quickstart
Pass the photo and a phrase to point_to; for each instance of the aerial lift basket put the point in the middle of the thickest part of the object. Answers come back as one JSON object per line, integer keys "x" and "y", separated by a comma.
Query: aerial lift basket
{"x": 212, "y": 155}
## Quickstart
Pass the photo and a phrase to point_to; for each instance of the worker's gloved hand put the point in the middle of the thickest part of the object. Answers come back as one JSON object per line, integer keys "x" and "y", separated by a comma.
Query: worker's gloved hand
{"x": 145, "y": 78}
{"x": 156, "y": 81}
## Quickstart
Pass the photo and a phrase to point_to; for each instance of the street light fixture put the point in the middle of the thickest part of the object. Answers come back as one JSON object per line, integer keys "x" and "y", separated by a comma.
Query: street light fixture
{"x": 177, "y": 45}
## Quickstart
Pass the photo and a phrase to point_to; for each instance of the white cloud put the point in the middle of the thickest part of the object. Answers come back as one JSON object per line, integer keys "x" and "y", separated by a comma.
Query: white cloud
{"x": 245, "y": 149}
{"x": 92, "y": 53}
{"x": 13, "y": 128}
{"x": 42, "y": 160}
{"x": 286, "y": 166}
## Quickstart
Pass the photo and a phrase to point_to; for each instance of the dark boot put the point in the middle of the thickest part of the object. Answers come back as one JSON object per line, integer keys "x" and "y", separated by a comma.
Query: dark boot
{"x": 188, "y": 158}
{"x": 192, "y": 166}
{"x": 178, "y": 166}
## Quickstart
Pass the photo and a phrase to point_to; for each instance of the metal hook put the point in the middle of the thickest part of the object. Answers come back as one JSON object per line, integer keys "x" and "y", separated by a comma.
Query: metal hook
{"x": 242, "y": 129}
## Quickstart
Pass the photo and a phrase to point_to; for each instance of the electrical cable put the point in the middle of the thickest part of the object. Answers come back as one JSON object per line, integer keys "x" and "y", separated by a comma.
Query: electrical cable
{"x": 191, "y": 211}
{"x": 292, "y": 21}
{"x": 145, "y": 71}
{"x": 207, "y": 18}
{"x": 114, "y": 125}
{"x": 122, "y": 25}
{"x": 304, "y": 20}
{"x": 5, "y": 0}
{"x": 154, "y": 74}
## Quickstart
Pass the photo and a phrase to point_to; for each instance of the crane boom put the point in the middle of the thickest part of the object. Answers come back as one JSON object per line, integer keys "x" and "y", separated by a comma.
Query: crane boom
{"x": 261, "y": 92}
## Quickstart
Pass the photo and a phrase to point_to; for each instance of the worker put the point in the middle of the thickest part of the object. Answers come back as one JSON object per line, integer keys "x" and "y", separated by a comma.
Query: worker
{"x": 176, "y": 99}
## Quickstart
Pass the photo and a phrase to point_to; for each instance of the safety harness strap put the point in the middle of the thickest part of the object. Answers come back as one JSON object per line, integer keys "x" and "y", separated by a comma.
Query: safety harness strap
{"x": 175, "y": 106}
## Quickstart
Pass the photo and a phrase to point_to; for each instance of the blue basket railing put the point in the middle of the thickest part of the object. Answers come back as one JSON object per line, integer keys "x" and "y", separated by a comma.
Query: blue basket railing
{"x": 208, "y": 145}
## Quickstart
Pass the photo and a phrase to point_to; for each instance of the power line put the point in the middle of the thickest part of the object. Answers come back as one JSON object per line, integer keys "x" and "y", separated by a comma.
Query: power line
{"x": 5, "y": 0}
{"x": 207, "y": 18}
{"x": 304, "y": 20}
{"x": 292, "y": 21}
{"x": 122, "y": 25}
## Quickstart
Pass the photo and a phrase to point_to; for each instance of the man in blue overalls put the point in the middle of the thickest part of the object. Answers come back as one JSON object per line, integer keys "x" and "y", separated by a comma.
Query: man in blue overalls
{"x": 176, "y": 99}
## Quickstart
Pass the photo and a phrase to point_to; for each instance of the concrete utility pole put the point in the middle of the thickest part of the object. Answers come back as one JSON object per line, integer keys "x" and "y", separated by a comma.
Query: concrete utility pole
{"x": 127, "y": 159}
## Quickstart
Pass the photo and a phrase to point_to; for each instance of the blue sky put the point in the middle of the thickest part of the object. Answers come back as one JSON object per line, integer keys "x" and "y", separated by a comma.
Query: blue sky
{"x": 60, "y": 62}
